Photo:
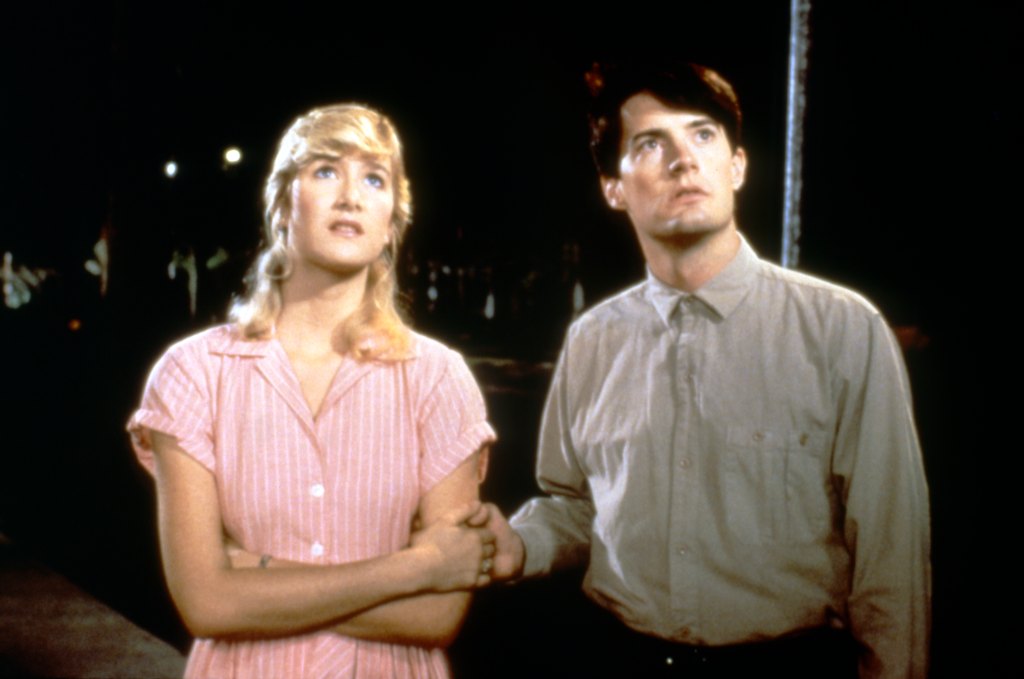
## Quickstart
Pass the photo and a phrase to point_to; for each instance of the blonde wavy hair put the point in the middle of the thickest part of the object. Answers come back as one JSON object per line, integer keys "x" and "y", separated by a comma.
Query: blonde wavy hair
{"x": 375, "y": 331}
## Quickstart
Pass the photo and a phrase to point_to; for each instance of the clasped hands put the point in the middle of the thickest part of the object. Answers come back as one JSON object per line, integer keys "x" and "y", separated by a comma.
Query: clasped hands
{"x": 493, "y": 551}
{"x": 459, "y": 548}
{"x": 467, "y": 548}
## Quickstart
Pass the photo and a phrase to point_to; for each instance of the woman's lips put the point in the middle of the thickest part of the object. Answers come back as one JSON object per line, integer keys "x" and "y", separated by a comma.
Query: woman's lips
{"x": 347, "y": 227}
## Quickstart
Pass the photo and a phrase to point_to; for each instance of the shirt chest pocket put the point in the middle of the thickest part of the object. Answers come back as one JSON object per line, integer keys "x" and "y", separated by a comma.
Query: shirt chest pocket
{"x": 776, "y": 484}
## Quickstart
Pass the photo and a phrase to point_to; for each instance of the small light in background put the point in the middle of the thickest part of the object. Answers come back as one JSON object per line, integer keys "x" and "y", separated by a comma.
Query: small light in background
{"x": 489, "y": 306}
{"x": 19, "y": 281}
{"x": 171, "y": 169}
{"x": 100, "y": 266}
{"x": 577, "y": 299}
{"x": 74, "y": 324}
{"x": 232, "y": 155}
{"x": 217, "y": 259}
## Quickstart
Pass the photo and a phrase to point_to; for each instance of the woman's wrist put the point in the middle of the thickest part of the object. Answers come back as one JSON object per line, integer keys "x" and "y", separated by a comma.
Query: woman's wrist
{"x": 421, "y": 563}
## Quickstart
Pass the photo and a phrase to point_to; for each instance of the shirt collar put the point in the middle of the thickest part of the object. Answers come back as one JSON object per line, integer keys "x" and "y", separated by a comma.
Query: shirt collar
{"x": 722, "y": 294}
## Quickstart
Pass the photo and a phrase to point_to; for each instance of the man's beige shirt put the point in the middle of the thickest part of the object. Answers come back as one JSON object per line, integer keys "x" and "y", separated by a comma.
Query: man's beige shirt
{"x": 737, "y": 464}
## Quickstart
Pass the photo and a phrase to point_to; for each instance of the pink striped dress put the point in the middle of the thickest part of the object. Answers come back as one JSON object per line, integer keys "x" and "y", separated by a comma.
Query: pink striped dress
{"x": 342, "y": 487}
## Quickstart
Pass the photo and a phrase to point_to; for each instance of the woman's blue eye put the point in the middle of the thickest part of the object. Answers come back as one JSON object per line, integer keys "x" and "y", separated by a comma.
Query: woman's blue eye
{"x": 376, "y": 181}
{"x": 325, "y": 172}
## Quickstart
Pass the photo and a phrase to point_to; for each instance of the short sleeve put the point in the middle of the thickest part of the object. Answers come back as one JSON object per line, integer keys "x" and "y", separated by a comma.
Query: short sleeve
{"x": 452, "y": 422}
{"x": 176, "y": 402}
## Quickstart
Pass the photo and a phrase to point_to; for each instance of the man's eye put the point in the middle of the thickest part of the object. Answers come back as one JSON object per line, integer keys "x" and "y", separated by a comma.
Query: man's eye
{"x": 705, "y": 134}
{"x": 376, "y": 181}
{"x": 649, "y": 144}
{"x": 325, "y": 172}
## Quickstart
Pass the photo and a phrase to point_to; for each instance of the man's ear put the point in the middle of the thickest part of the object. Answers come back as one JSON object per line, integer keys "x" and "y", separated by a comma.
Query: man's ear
{"x": 739, "y": 168}
{"x": 612, "y": 189}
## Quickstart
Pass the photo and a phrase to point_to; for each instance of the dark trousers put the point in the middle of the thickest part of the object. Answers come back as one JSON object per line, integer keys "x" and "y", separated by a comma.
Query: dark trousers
{"x": 618, "y": 651}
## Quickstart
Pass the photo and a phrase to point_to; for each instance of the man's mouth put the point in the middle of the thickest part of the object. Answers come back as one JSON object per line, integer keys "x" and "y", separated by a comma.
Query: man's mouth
{"x": 690, "y": 193}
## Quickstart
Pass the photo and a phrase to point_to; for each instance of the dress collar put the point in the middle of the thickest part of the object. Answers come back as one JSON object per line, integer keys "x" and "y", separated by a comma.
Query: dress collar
{"x": 230, "y": 342}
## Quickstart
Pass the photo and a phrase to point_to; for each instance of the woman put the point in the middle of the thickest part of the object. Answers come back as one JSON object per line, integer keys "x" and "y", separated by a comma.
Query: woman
{"x": 312, "y": 432}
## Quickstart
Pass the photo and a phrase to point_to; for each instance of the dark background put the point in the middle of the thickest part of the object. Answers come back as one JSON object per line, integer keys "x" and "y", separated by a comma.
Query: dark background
{"x": 909, "y": 172}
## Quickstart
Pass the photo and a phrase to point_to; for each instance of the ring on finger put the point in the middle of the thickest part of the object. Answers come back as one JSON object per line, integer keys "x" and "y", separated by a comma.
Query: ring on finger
{"x": 486, "y": 565}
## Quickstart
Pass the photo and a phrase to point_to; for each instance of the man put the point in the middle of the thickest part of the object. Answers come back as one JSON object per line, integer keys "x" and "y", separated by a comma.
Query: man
{"x": 729, "y": 445}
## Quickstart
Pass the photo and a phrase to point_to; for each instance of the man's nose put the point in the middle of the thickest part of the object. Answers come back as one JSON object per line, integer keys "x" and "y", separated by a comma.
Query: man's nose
{"x": 682, "y": 160}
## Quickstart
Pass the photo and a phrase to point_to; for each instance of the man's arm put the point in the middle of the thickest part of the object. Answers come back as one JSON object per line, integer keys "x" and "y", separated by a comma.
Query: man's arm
{"x": 553, "y": 531}
{"x": 880, "y": 477}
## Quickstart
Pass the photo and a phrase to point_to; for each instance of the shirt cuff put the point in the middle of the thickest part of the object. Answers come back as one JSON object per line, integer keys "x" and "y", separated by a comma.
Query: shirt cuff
{"x": 540, "y": 549}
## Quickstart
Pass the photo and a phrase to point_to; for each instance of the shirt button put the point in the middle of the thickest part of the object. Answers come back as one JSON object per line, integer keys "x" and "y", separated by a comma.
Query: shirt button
{"x": 758, "y": 436}
{"x": 317, "y": 490}
{"x": 684, "y": 463}
{"x": 682, "y": 551}
{"x": 317, "y": 549}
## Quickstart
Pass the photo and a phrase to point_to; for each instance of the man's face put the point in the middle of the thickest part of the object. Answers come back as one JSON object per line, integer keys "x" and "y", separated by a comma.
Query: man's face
{"x": 677, "y": 172}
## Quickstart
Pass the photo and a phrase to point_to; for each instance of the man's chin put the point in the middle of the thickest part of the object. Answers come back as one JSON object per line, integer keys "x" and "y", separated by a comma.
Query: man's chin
{"x": 681, "y": 233}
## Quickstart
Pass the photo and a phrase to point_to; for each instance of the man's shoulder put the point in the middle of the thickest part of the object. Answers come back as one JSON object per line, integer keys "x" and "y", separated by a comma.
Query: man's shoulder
{"x": 820, "y": 294}
{"x": 628, "y": 304}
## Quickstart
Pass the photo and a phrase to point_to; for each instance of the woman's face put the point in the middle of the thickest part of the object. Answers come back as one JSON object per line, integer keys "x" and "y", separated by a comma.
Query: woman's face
{"x": 342, "y": 209}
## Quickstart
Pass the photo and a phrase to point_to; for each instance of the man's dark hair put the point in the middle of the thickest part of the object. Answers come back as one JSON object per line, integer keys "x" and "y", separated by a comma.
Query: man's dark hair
{"x": 679, "y": 85}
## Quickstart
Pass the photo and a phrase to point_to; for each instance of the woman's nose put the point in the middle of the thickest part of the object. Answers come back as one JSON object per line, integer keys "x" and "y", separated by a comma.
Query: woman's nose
{"x": 348, "y": 193}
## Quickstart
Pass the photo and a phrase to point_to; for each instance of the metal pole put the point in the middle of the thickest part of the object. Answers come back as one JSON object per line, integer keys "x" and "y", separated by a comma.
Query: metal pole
{"x": 799, "y": 11}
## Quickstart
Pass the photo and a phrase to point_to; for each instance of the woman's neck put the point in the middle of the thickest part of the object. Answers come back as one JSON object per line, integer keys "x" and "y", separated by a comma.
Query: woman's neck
{"x": 314, "y": 309}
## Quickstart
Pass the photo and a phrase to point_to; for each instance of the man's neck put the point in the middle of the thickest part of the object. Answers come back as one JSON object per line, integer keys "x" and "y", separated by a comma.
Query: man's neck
{"x": 689, "y": 264}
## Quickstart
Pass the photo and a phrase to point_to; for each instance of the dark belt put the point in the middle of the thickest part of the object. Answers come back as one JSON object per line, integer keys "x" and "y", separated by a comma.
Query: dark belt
{"x": 821, "y": 652}
{"x": 818, "y": 653}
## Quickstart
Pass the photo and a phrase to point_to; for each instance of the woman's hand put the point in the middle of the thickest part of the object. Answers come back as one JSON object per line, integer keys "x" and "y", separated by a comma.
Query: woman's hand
{"x": 428, "y": 618}
{"x": 218, "y": 600}
{"x": 237, "y": 555}
{"x": 457, "y": 554}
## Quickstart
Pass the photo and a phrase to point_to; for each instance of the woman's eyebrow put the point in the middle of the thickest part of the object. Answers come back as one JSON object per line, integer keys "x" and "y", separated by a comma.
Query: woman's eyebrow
{"x": 377, "y": 164}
